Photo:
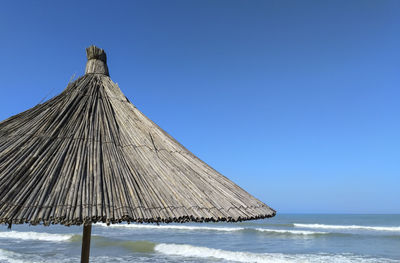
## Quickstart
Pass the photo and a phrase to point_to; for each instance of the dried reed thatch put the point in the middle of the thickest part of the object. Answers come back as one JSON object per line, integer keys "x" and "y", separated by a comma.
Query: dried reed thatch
{"x": 90, "y": 155}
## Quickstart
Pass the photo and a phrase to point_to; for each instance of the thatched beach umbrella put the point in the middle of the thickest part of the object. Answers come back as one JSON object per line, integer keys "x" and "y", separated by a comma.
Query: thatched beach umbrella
{"x": 89, "y": 155}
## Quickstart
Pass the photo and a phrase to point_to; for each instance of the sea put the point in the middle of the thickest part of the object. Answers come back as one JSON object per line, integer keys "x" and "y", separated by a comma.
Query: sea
{"x": 284, "y": 238}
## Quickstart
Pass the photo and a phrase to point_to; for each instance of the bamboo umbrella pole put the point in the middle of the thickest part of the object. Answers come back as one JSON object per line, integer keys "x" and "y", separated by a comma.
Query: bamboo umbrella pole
{"x": 87, "y": 231}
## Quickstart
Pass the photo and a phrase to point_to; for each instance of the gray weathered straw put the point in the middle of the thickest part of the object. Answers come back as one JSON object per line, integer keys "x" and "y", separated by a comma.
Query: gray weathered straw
{"x": 90, "y": 155}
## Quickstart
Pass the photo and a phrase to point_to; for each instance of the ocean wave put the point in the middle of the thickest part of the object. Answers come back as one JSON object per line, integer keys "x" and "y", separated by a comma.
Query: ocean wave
{"x": 35, "y": 236}
{"x": 133, "y": 246}
{"x": 9, "y": 257}
{"x": 291, "y": 232}
{"x": 257, "y": 224}
{"x": 223, "y": 229}
{"x": 349, "y": 227}
{"x": 204, "y": 252}
{"x": 174, "y": 227}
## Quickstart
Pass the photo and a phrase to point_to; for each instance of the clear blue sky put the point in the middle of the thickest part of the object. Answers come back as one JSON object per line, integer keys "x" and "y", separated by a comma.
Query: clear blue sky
{"x": 296, "y": 101}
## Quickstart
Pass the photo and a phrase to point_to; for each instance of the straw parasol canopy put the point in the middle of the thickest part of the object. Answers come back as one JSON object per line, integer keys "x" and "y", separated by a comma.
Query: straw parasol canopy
{"x": 89, "y": 155}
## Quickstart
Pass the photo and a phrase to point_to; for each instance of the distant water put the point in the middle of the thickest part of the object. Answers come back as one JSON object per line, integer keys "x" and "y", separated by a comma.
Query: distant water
{"x": 285, "y": 238}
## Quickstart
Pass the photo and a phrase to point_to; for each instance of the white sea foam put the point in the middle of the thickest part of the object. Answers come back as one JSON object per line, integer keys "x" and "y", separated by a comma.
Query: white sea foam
{"x": 349, "y": 227}
{"x": 204, "y": 252}
{"x": 292, "y": 232}
{"x": 9, "y": 257}
{"x": 174, "y": 227}
{"x": 35, "y": 236}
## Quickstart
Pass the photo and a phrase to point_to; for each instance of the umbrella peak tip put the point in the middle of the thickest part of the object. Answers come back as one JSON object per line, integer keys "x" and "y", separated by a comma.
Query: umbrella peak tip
{"x": 97, "y": 61}
{"x": 94, "y": 52}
